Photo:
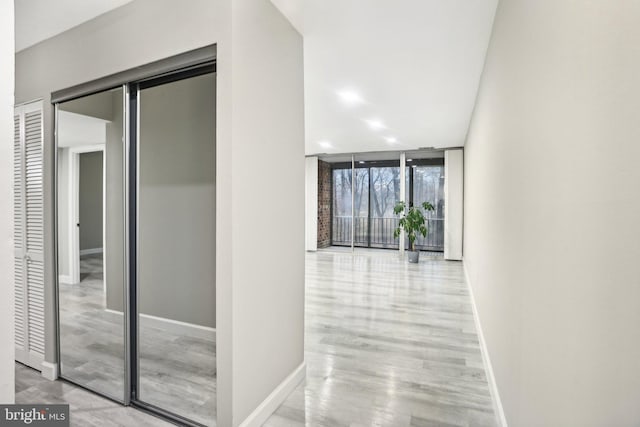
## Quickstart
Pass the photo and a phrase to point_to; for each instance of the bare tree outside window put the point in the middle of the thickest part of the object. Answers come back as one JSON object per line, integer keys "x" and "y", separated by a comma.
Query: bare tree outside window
{"x": 377, "y": 190}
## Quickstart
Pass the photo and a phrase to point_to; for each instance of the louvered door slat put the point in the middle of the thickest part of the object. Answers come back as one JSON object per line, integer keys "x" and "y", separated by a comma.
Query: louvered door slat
{"x": 29, "y": 234}
{"x": 35, "y": 229}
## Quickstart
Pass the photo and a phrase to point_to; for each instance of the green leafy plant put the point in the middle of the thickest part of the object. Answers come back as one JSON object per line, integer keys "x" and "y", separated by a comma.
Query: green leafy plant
{"x": 412, "y": 221}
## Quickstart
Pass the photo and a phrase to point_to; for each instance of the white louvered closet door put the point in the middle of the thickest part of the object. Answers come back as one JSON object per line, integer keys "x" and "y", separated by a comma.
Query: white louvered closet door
{"x": 29, "y": 234}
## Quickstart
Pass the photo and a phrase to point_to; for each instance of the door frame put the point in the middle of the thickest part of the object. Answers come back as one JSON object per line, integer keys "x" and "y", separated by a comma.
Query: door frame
{"x": 73, "y": 229}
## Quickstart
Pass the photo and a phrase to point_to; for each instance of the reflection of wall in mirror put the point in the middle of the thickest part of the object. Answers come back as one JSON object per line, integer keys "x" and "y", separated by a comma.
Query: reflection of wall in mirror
{"x": 90, "y": 202}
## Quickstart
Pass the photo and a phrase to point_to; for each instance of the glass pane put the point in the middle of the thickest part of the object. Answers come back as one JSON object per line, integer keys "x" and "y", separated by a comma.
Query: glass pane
{"x": 341, "y": 218}
{"x": 90, "y": 203}
{"x": 428, "y": 186}
{"x": 385, "y": 193}
{"x": 361, "y": 200}
{"x": 176, "y": 248}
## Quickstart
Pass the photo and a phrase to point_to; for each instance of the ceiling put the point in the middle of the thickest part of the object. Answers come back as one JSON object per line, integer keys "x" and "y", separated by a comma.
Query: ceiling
{"x": 379, "y": 75}
{"x": 390, "y": 75}
{"x": 38, "y": 20}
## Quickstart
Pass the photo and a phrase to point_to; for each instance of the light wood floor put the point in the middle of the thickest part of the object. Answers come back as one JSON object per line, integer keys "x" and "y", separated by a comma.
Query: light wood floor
{"x": 387, "y": 344}
{"x": 87, "y": 409}
{"x": 177, "y": 372}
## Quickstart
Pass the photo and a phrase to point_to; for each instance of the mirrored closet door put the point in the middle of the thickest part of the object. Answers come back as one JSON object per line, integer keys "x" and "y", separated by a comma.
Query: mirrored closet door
{"x": 90, "y": 222}
{"x": 176, "y": 247}
{"x": 135, "y": 206}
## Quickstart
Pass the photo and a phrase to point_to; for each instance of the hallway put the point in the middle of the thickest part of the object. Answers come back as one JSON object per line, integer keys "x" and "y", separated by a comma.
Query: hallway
{"x": 388, "y": 344}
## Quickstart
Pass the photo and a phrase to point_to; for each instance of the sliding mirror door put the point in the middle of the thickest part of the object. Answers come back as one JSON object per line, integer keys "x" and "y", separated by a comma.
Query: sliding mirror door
{"x": 135, "y": 209}
{"x": 90, "y": 224}
{"x": 176, "y": 295}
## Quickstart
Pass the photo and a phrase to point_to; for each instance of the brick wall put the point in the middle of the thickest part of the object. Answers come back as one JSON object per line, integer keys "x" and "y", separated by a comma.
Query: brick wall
{"x": 324, "y": 204}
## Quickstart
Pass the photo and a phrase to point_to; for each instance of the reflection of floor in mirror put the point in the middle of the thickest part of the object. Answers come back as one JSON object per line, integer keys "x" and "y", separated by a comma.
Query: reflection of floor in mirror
{"x": 177, "y": 371}
{"x": 87, "y": 409}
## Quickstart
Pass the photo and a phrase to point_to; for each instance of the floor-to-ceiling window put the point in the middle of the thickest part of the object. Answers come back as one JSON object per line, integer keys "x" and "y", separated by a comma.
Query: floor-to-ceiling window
{"x": 426, "y": 184}
{"x": 385, "y": 193}
{"x": 365, "y": 191}
{"x": 341, "y": 201}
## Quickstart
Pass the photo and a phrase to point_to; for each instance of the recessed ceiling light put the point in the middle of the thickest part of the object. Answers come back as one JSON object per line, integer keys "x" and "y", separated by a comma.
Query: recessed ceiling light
{"x": 325, "y": 144}
{"x": 409, "y": 160}
{"x": 375, "y": 124}
{"x": 361, "y": 162}
{"x": 350, "y": 97}
{"x": 391, "y": 139}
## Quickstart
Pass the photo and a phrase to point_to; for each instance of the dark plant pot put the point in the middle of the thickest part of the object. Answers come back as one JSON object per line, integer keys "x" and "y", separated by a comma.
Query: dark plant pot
{"x": 414, "y": 256}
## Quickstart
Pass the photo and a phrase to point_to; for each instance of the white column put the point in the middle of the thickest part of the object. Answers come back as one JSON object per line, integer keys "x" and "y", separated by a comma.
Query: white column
{"x": 453, "y": 197}
{"x": 260, "y": 98}
{"x": 311, "y": 203}
{"x": 403, "y": 191}
{"x": 7, "y": 386}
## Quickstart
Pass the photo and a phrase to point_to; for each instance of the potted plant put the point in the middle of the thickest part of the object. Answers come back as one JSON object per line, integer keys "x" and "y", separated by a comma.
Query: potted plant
{"x": 412, "y": 221}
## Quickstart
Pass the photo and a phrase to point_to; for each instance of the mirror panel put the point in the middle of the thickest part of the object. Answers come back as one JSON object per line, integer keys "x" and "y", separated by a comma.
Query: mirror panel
{"x": 176, "y": 248}
{"x": 90, "y": 214}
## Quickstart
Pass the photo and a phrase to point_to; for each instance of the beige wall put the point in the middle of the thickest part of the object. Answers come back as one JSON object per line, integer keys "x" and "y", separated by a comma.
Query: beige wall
{"x": 7, "y": 386}
{"x": 551, "y": 212}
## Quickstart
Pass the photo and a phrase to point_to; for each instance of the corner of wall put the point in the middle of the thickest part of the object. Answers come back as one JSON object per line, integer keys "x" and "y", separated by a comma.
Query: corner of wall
{"x": 260, "y": 415}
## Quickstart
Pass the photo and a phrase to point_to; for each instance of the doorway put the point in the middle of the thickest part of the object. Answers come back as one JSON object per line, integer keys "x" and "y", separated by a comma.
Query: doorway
{"x": 84, "y": 167}
{"x": 145, "y": 336}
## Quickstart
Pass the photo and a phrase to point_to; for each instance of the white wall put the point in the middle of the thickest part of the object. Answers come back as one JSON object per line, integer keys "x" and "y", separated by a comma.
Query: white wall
{"x": 64, "y": 196}
{"x": 453, "y": 211}
{"x": 7, "y": 387}
{"x": 260, "y": 130}
{"x": 311, "y": 203}
{"x": 551, "y": 211}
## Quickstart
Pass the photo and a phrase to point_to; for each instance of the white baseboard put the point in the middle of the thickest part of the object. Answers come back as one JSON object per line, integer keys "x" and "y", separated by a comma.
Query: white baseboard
{"x": 91, "y": 251}
{"x": 29, "y": 358}
{"x": 493, "y": 386}
{"x": 49, "y": 370}
{"x": 275, "y": 399}
{"x": 63, "y": 278}
{"x": 175, "y": 326}
{"x": 182, "y": 328}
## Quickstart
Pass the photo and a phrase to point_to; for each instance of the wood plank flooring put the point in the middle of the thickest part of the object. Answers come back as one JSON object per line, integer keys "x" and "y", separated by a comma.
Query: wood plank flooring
{"x": 387, "y": 344}
{"x": 177, "y": 372}
{"x": 87, "y": 409}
